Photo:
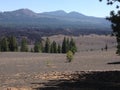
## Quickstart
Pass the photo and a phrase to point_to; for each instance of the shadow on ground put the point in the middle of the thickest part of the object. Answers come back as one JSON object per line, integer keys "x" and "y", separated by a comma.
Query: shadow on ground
{"x": 108, "y": 80}
{"x": 113, "y": 63}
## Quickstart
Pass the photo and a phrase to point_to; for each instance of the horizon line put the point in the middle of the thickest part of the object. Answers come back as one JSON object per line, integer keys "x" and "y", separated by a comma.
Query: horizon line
{"x": 49, "y": 11}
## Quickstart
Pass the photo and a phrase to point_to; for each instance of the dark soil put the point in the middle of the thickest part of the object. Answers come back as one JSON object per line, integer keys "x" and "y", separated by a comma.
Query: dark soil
{"x": 109, "y": 80}
{"x": 112, "y": 63}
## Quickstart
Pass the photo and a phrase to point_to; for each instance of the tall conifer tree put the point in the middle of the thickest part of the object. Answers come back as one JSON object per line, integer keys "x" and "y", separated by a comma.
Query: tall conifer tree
{"x": 4, "y": 44}
{"x": 59, "y": 48}
{"x": 73, "y": 47}
{"x": 54, "y": 47}
{"x": 37, "y": 47}
{"x": 47, "y": 46}
{"x": 24, "y": 45}
{"x": 13, "y": 46}
{"x": 64, "y": 45}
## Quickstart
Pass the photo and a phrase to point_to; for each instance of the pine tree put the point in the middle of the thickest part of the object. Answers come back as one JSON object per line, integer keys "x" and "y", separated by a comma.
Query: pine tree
{"x": 59, "y": 48}
{"x": 4, "y": 44}
{"x": 54, "y": 47}
{"x": 41, "y": 46}
{"x": 37, "y": 47}
{"x": 64, "y": 45}
{"x": 51, "y": 48}
{"x": 47, "y": 46}
{"x": 24, "y": 45}
{"x": 68, "y": 45}
{"x": 73, "y": 47}
{"x": 13, "y": 46}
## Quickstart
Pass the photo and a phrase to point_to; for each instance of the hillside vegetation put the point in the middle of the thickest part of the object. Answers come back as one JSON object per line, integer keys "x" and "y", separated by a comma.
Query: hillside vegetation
{"x": 24, "y": 22}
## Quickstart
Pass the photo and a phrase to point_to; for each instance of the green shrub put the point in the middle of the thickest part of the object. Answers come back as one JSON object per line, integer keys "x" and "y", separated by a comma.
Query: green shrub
{"x": 69, "y": 56}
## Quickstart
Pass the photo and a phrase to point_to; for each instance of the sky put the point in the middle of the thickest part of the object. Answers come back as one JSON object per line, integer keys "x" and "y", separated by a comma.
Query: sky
{"x": 87, "y": 7}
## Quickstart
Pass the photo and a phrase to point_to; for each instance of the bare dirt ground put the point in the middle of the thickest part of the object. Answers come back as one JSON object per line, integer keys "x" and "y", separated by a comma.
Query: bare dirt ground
{"x": 22, "y": 71}
{"x": 88, "y": 42}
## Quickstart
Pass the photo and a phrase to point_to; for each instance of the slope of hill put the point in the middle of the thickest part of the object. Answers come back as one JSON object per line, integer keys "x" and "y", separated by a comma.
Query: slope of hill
{"x": 26, "y": 16}
{"x": 19, "y": 22}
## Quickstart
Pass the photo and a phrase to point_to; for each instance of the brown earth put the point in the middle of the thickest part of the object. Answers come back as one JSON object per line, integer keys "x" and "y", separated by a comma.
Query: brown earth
{"x": 24, "y": 71}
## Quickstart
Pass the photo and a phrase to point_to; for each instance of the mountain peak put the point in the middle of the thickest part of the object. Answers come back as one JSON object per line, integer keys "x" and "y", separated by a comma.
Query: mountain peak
{"x": 27, "y": 12}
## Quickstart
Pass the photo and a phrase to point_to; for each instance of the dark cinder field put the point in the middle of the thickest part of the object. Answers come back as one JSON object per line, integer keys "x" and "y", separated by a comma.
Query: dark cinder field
{"x": 20, "y": 70}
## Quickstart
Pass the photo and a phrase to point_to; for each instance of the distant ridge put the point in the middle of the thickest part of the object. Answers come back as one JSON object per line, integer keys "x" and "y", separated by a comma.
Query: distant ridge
{"x": 19, "y": 22}
{"x": 58, "y": 12}
{"x": 24, "y": 11}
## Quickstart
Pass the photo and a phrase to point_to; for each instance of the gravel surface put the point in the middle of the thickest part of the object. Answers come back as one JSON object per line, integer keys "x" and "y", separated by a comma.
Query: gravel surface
{"x": 21, "y": 69}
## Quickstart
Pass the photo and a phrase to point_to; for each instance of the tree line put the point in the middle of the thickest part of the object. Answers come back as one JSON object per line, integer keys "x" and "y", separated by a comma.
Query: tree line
{"x": 53, "y": 47}
{"x": 11, "y": 44}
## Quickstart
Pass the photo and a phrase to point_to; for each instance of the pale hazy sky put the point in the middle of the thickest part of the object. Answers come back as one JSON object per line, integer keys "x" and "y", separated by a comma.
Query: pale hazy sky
{"x": 87, "y": 7}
